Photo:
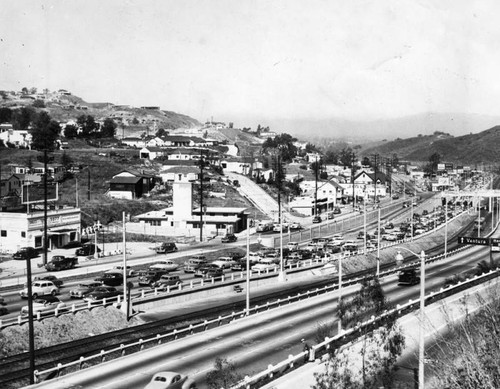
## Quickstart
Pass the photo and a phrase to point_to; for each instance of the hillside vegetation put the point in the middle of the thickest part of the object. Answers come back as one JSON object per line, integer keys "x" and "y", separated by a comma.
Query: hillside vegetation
{"x": 464, "y": 150}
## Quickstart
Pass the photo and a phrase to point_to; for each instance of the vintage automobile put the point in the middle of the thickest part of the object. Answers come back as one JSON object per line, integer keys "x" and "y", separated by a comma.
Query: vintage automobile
{"x": 170, "y": 380}
{"x": 44, "y": 305}
{"x": 83, "y": 289}
{"x": 229, "y": 238}
{"x": 102, "y": 292}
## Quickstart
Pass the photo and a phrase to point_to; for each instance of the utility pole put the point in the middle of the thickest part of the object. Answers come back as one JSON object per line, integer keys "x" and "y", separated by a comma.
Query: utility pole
{"x": 45, "y": 205}
{"x": 353, "y": 158}
{"x": 201, "y": 195}
{"x": 375, "y": 168}
{"x": 316, "y": 168}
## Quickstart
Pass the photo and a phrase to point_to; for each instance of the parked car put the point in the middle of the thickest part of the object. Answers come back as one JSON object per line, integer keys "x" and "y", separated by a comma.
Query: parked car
{"x": 87, "y": 249}
{"x": 165, "y": 265}
{"x": 170, "y": 380}
{"x": 166, "y": 247}
{"x": 40, "y": 288}
{"x": 167, "y": 280}
{"x": 390, "y": 237}
{"x": 49, "y": 277}
{"x": 213, "y": 273}
{"x": 44, "y": 305}
{"x": 194, "y": 264}
{"x": 130, "y": 272}
{"x": 229, "y": 238}
{"x": 103, "y": 292}
{"x": 205, "y": 268}
{"x": 25, "y": 253}
{"x": 151, "y": 276}
{"x": 224, "y": 262}
{"x": 83, "y": 289}
{"x": 110, "y": 278}
{"x": 336, "y": 210}
{"x": 264, "y": 267}
{"x": 60, "y": 262}
{"x": 330, "y": 215}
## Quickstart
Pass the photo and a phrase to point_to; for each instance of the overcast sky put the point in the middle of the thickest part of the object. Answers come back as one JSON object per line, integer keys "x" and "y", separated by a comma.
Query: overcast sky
{"x": 234, "y": 59}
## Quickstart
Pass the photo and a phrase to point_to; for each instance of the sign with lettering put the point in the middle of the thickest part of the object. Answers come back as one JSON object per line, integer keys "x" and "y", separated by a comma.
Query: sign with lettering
{"x": 35, "y": 193}
{"x": 495, "y": 244}
{"x": 474, "y": 241}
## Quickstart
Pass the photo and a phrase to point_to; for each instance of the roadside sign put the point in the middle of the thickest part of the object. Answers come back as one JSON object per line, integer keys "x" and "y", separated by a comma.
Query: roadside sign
{"x": 495, "y": 244}
{"x": 474, "y": 241}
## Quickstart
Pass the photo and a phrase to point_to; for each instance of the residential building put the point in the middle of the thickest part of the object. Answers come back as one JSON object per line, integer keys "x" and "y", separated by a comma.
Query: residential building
{"x": 130, "y": 184}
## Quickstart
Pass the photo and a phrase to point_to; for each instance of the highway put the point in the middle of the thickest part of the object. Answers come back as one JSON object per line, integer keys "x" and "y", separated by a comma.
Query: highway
{"x": 254, "y": 342}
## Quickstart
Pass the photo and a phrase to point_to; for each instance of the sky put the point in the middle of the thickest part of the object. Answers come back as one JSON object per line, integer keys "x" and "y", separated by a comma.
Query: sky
{"x": 252, "y": 60}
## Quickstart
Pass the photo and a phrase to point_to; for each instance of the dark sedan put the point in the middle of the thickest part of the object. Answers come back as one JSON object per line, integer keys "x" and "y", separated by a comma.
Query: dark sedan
{"x": 102, "y": 292}
{"x": 111, "y": 278}
{"x": 25, "y": 253}
{"x": 229, "y": 238}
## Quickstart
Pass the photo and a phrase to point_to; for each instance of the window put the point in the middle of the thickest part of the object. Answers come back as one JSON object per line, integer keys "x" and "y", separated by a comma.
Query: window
{"x": 3, "y": 233}
{"x": 23, "y": 234}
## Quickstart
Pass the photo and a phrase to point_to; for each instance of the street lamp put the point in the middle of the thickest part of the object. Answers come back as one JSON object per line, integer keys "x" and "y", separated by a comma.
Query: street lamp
{"x": 248, "y": 269}
{"x": 421, "y": 346}
{"x": 31, "y": 330}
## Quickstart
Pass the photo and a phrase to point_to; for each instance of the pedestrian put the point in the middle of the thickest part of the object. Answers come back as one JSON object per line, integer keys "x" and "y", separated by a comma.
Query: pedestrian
{"x": 305, "y": 348}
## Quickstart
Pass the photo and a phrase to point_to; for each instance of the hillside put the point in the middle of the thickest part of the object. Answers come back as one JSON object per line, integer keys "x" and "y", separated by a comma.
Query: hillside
{"x": 66, "y": 107}
{"x": 465, "y": 149}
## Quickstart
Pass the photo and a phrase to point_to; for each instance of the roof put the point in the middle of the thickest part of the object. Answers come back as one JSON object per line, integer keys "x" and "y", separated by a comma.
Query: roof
{"x": 125, "y": 180}
{"x": 180, "y": 169}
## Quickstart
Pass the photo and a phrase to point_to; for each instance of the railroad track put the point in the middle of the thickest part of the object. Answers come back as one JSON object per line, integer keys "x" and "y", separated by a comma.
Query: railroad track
{"x": 14, "y": 370}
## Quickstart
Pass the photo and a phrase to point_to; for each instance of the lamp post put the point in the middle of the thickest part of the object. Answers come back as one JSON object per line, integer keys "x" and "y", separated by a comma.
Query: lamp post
{"x": 340, "y": 292}
{"x": 248, "y": 269}
{"x": 421, "y": 346}
{"x": 31, "y": 330}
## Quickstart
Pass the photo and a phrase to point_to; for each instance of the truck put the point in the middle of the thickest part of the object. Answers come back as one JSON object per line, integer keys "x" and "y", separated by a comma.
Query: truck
{"x": 60, "y": 262}
{"x": 408, "y": 277}
{"x": 265, "y": 225}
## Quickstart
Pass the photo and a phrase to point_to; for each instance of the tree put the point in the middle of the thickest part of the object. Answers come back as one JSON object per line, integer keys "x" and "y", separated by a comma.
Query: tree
{"x": 347, "y": 156}
{"x": 21, "y": 118}
{"x": 88, "y": 126}
{"x": 24, "y": 91}
{"x": 431, "y": 167}
{"x": 70, "y": 131}
{"x": 224, "y": 375}
{"x": 45, "y": 132}
{"x": 5, "y": 115}
{"x": 38, "y": 103}
{"x": 161, "y": 132}
{"x": 108, "y": 129}
{"x": 66, "y": 160}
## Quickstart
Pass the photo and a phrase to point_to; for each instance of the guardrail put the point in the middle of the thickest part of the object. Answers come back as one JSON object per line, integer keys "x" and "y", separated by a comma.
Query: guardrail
{"x": 343, "y": 338}
{"x": 191, "y": 329}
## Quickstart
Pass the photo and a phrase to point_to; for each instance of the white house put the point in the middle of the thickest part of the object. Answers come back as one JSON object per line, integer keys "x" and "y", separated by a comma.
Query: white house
{"x": 134, "y": 142}
{"x": 235, "y": 165}
{"x": 152, "y": 152}
{"x": 19, "y": 138}
{"x": 180, "y": 174}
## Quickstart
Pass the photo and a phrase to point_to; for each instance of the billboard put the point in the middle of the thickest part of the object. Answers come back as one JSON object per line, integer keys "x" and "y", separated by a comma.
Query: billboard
{"x": 440, "y": 166}
{"x": 35, "y": 193}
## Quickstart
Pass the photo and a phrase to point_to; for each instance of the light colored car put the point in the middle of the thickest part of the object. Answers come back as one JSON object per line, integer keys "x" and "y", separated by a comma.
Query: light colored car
{"x": 264, "y": 267}
{"x": 194, "y": 264}
{"x": 224, "y": 262}
{"x": 170, "y": 380}
{"x": 130, "y": 272}
{"x": 165, "y": 265}
{"x": 293, "y": 245}
{"x": 295, "y": 226}
{"x": 390, "y": 237}
{"x": 40, "y": 288}
{"x": 43, "y": 305}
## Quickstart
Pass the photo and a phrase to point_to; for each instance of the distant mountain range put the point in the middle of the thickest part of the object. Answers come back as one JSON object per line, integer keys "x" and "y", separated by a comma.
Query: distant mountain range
{"x": 363, "y": 131}
{"x": 471, "y": 149}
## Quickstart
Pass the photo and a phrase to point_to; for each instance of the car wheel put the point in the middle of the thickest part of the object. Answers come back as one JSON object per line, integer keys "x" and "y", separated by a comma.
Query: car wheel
{"x": 53, "y": 293}
{"x": 35, "y": 295}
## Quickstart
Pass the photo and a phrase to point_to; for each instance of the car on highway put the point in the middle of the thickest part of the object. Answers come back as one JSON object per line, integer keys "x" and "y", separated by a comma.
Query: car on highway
{"x": 44, "y": 305}
{"x": 87, "y": 249}
{"x": 293, "y": 245}
{"x": 283, "y": 227}
{"x": 389, "y": 237}
{"x": 170, "y": 380}
{"x": 241, "y": 264}
{"x": 130, "y": 272}
{"x": 40, "y": 288}
{"x": 166, "y": 265}
{"x": 295, "y": 226}
{"x": 81, "y": 290}
{"x": 49, "y": 277}
{"x": 317, "y": 219}
{"x": 228, "y": 238}
{"x": 103, "y": 292}
{"x": 25, "y": 253}
{"x": 110, "y": 278}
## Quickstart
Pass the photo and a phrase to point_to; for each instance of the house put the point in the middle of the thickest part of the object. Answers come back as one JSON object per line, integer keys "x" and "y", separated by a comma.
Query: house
{"x": 183, "y": 220}
{"x": 184, "y": 154}
{"x": 130, "y": 184}
{"x": 178, "y": 141}
{"x": 134, "y": 142}
{"x": 152, "y": 152}
{"x": 180, "y": 174}
{"x": 235, "y": 165}
{"x": 367, "y": 184}
{"x": 155, "y": 142}
{"x": 18, "y": 138}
